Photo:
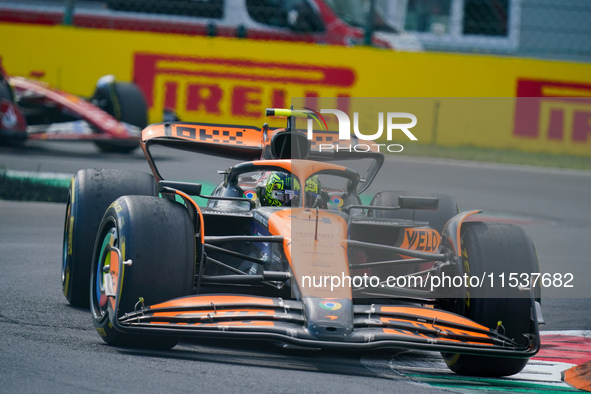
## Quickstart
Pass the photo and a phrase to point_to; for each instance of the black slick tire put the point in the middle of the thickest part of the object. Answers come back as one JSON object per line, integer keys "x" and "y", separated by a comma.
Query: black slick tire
{"x": 126, "y": 102}
{"x": 495, "y": 248}
{"x": 91, "y": 192}
{"x": 158, "y": 237}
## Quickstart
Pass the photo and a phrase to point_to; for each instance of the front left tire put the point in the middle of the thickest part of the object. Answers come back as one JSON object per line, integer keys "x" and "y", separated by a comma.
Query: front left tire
{"x": 494, "y": 249}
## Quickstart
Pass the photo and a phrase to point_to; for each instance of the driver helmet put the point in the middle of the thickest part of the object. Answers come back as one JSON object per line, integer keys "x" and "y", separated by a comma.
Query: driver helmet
{"x": 282, "y": 188}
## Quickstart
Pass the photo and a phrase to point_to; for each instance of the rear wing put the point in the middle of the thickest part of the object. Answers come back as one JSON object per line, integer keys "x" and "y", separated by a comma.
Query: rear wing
{"x": 252, "y": 143}
{"x": 232, "y": 141}
{"x": 244, "y": 142}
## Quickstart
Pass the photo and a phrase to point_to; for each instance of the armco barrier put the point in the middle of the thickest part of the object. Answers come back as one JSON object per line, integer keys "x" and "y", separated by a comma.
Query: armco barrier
{"x": 232, "y": 81}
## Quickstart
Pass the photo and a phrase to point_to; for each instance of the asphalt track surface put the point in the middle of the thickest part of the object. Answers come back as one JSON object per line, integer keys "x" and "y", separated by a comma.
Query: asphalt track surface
{"x": 48, "y": 346}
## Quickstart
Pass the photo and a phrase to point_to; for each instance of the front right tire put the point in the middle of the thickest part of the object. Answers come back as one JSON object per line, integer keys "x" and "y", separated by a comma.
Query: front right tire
{"x": 91, "y": 192}
{"x": 158, "y": 237}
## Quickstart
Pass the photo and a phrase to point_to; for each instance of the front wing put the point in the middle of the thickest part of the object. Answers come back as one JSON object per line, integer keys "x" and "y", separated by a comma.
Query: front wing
{"x": 375, "y": 326}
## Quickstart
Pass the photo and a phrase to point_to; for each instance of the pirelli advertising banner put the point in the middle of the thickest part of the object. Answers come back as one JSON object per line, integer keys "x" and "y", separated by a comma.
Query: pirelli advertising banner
{"x": 458, "y": 99}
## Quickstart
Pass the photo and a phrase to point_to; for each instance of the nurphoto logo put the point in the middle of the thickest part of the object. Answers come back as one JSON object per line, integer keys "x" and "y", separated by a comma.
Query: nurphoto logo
{"x": 392, "y": 124}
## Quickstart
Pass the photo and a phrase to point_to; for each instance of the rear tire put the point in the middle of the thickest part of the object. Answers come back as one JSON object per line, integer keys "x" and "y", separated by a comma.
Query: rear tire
{"x": 91, "y": 192}
{"x": 126, "y": 102}
{"x": 448, "y": 208}
{"x": 495, "y": 248}
{"x": 158, "y": 236}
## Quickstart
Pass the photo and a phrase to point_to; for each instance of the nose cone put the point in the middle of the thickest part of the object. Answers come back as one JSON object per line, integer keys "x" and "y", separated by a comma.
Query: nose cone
{"x": 329, "y": 319}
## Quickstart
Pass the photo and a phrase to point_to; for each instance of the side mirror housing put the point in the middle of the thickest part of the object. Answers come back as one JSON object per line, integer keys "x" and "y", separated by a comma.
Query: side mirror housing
{"x": 192, "y": 189}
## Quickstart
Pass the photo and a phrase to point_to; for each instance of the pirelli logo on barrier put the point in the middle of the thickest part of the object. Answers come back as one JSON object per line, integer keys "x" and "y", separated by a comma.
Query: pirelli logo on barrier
{"x": 216, "y": 89}
{"x": 553, "y": 111}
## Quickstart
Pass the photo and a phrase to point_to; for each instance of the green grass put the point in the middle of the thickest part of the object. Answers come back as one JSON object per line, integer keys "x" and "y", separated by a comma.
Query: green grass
{"x": 23, "y": 189}
{"x": 497, "y": 156}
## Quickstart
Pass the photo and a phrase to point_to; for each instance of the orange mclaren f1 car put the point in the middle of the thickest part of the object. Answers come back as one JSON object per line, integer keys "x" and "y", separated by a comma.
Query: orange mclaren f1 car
{"x": 284, "y": 250}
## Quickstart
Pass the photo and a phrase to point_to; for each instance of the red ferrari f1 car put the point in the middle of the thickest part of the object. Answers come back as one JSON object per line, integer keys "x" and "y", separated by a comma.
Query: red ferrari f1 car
{"x": 284, "y": 250}
{"x": 113, "y": 117}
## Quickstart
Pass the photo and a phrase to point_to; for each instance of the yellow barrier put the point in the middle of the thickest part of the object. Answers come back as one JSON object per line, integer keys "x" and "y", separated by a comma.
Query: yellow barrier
{"x": 222, "y": 80}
